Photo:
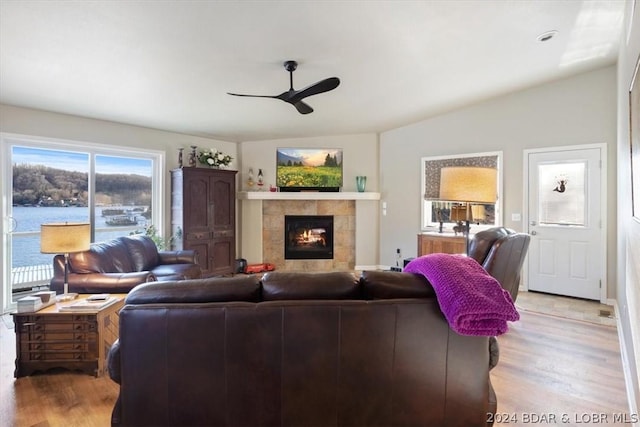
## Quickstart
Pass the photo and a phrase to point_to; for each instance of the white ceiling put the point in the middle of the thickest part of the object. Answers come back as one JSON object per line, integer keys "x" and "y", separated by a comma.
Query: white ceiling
{"x": 169, "y": 64}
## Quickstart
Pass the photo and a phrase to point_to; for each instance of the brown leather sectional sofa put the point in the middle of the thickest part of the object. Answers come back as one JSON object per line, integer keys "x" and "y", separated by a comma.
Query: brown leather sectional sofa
{"x": 297, "y": 349}
{"x": 118, "y": 265}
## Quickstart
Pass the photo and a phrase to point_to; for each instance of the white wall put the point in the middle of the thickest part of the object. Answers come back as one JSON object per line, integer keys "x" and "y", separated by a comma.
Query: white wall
{"x": 577, "y": 110}
{"x": 628, "y": 236}
{"x": 360, "y": 157}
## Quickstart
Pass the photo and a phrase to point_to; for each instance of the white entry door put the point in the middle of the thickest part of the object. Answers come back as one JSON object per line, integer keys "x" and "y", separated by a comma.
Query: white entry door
{"x": 567, "y": 253}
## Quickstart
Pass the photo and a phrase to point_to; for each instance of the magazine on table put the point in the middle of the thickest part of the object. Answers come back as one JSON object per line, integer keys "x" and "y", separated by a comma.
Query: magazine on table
{"x": 92, "y": 303}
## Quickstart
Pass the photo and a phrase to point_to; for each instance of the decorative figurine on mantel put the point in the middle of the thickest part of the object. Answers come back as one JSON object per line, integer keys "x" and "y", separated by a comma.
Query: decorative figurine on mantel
{"x": 250, "y": 179}
{"x": 180, "y": 157}
{"x": 260, "y": 179}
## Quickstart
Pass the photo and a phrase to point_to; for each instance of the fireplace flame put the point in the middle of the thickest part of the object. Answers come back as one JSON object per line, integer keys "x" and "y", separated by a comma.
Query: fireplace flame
{"x": 314, "y": 236}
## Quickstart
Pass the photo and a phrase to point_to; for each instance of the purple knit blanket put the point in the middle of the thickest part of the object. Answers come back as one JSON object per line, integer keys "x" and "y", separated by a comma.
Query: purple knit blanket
{"x": 471, "y": 300}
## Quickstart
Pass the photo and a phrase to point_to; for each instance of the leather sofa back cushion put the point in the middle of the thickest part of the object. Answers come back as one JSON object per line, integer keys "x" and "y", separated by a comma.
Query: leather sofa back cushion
{"x": 143, "y": 252}
{"x": 296, "y": 286}
{"x": 483, "y": 241}
{"x": 394, "y": 285}
{"x": 105, "y": 257}
{"x": 213, "y": 289}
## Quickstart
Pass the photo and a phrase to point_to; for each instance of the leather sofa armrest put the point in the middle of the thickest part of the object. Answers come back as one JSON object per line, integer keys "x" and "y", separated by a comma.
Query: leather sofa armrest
{"x": 178, "y": 257}
{"x": 115, "y": 373}
{"x": 90, "y": 283}
{"x": 113, "y": 362}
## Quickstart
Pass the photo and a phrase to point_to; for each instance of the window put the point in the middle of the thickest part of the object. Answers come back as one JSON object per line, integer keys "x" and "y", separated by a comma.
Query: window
{"x": 562, "y": 193}
{"x": 436, "y": 212}
{"x": 118, "y": 191}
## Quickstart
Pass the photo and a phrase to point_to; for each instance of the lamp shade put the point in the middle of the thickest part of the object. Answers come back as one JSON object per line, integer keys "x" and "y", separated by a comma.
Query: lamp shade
{"x": 469, "y": 184}
{"x": 64, "y": 237}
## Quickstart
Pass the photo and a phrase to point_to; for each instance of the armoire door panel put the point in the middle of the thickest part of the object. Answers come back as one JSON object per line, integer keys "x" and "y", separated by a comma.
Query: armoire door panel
{"x": 223, "y": 202}
{"x": 203, "y": 211}
{"x": 196, "y": 203}
{"x": 222, "y": 259}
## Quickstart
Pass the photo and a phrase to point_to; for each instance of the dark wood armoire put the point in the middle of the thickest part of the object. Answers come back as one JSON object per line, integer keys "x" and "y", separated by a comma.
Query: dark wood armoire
{"x": 203, "y": 214}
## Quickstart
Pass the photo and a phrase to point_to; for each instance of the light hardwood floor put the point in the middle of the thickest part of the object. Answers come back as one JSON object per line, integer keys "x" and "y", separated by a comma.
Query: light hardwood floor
{"x": 549, "y": 366}
{"x": 563, "y": 369}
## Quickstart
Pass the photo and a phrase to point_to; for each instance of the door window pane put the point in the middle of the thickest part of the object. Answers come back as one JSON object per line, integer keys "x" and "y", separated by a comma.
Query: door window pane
{"x": 562, "y": 193}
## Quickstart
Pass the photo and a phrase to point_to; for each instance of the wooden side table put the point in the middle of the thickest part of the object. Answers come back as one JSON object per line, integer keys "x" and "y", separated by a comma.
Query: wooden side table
{"x": 447, "y": 243}
{"x": 51, "y": 338}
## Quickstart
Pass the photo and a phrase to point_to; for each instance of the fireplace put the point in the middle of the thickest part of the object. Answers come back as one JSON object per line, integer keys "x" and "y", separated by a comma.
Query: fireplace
{"x": 308, "y": 237}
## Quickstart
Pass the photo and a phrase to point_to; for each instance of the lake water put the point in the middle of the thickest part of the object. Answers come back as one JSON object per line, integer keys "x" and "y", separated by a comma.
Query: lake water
{"x": 26, "y": 248}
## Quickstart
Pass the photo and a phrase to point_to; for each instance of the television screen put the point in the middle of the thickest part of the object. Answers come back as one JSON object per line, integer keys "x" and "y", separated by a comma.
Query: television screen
{"x": 309, "y": 169}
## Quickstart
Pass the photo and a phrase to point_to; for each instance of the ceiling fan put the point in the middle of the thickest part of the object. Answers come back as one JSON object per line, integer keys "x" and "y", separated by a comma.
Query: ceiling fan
{"x": 295, "y": 97}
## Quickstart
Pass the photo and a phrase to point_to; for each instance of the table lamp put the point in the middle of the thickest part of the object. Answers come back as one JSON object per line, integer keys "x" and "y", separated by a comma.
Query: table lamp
{"x": 65, "y": 238}
{"x": 468, "y": 185}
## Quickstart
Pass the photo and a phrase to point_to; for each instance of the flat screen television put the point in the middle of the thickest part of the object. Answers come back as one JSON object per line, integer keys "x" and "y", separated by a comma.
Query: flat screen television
{"x": 309, "y": 169}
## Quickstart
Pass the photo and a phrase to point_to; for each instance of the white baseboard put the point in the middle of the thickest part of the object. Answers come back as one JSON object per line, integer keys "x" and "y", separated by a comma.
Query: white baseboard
{"x": 628, "y": 378}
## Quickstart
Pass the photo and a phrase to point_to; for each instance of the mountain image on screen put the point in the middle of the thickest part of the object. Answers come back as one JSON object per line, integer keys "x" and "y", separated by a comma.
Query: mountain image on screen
{"x": 309, "y": 168}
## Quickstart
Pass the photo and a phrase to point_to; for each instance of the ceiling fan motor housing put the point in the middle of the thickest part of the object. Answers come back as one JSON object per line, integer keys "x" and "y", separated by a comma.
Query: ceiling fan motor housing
{"x": 290, "y": 66}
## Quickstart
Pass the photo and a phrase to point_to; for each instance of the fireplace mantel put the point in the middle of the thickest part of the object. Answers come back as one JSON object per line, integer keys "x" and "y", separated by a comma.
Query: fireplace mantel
{"x": 307, "y": 195}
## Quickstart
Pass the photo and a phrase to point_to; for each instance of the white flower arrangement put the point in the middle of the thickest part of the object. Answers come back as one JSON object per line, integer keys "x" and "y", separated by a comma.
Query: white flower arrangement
{"x": 213, "y": 157}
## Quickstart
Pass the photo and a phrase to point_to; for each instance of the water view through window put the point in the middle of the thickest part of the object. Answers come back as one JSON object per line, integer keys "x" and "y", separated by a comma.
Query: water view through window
{"x": 62, "y": 186}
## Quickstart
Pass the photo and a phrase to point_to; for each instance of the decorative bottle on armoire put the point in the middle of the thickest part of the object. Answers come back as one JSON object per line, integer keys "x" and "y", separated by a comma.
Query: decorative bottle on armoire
{"x": 203, "y": 210}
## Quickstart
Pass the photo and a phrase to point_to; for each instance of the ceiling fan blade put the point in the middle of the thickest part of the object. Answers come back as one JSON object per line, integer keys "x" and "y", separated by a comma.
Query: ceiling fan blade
{"x": 320, "y": 87}
{"x": 253, "y": 96}
{"x": 303, "y": 108}
{"x": 300, "y": 106}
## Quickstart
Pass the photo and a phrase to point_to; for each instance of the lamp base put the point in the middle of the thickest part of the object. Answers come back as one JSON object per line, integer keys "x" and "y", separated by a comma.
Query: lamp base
{"x": 67, "y": 297}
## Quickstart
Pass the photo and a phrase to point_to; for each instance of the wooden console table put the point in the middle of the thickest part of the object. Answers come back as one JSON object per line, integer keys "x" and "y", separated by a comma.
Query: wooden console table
{"x": 448, "y": 243}
{"x": 51, "y": 338}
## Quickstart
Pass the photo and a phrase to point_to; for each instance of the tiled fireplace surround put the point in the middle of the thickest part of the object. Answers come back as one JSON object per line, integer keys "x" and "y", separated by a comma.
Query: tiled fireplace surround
{"x": 355, "y": 222}
{"x": 344, "y": 217}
